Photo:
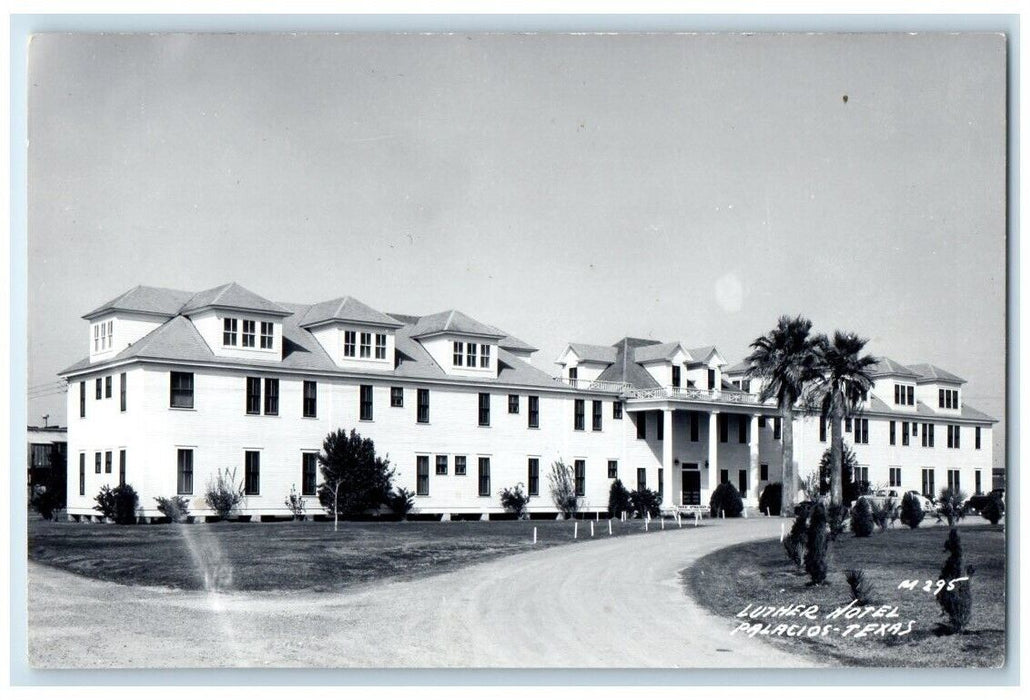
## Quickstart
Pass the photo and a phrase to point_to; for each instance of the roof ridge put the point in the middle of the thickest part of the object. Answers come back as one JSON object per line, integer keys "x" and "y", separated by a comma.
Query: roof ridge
{"x": 450, "y": 317}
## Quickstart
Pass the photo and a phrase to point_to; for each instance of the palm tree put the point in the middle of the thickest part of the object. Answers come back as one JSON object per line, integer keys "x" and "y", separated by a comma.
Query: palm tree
{"x": 841, "y": 389}
{"x": 786, "y": 359}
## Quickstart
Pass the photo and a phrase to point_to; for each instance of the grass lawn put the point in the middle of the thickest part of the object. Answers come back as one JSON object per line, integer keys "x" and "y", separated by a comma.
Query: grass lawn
{"x": 290, "y": 555}
{"x": 759, "y": 573}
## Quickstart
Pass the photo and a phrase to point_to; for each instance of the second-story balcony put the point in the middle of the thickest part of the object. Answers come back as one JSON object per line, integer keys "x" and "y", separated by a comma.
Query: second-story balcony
{"x": 694, "y": 394}
{"x": 595, "y": 385}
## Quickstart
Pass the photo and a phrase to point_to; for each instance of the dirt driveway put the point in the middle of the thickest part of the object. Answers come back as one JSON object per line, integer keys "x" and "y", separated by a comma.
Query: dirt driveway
{"x": 615, "y": 603}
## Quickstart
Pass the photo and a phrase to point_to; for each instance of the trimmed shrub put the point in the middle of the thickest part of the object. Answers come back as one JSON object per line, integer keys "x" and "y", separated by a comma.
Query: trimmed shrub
{"x": 119, "y": 503}
{"x": 911, "y": 511}
{"x": 950, "y": 505}
{"x": 818, "y": 545}
{"x": 771, "y": 499}
{"x": 726, "y": 500}
{"x": 862, "y": 522}
{"x": 47, "y": 501}
{"x": 515, "y": 500}
{"x": 176, "y": 508}
{"x": 883, "y": 514}
{"x": 618, "y": 500}
{"x": 955, "y": 599}
{"x": 794, "y": 543}
{"x": 646, "y": 501}
{"x": 401, "y": 502}
{"x": 223, "y": 494}
{"x": 837, "y": 520}
{"x": 993, "y": 509}
{"x": 862, "y": 591}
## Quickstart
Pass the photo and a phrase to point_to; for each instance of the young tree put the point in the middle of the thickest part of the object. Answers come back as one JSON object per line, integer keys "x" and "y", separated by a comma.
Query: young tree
{"x": 955, "y": 599}
{"x": 514, "y": 500}
{"x": 862, "y": 522}
{"x": 841, "y": 389}
{"x": 224, "y": 493}
{"x": 785, "y": 359}
{"x": 951, "y": 504}
{"x": 818, "y": 544}
{"x": 355, "y": 480}
{"x": 849, "y": 488}
{"x": 911, "y": 511}
{"x": 563, "y": 489}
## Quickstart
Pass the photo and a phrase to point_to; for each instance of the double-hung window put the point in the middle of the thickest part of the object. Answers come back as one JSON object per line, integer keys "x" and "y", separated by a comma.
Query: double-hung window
{"x": 309, "y": 474}
{"x": 82, "y": 473}
{"x": 396, "y": 397}
{"x": 252, "y": 473}
{"x": 253, "y": 396}
{"x": 97, "y": 468}
{"x": 641, "y": 478}
{"x": 861, "y": 431}
{"x": 441, "y": 465}
{"x": 484, "y": 476}
{"x": 82, "y": 399}
{"x": 349, "y": 343}
{"x": 266, "y": 335}
{"x": 366, "y": 345}
{"x": 107, "y": 387}
{"x": 616, "y": 410}
{"x": 533, "y": 411}
{"x": 121, "y": 391}
{"x": 579, "y": 419}
{"x": 613, "y": 469}
{"x": 484, "y": 410}
{"x": 181, "y": 388}
{"x": 893, "y": 433}
{"x": 904, "y": 433}
{"x": 365, "y": 406}
{"x": 310, "y": 399}
{"x": 533, "y": 476}
{"x": 422, "y": 474}
{"x": 249, "y": 333}
{"x": 423, "y": 406}
{"x": 484, "y": 356}
{"x": 100, "y": 388}
{"x": 777, "y": 428}
{"x": 458, "y": 357}
{"x": 513, "y": 403}
{"x": 741, "y": 429}
{"x": 976, "y": 437}
{"x": 470, "y": 354}
{"x": 229, "y": 332}
{"x": 380, "y": 346}
{"x": 676, "y": 378}
{"x": 184, "y": 472}
{"x": 271, "y": 396}
{"x": 460, "y": 465}
{"x": 596, "y": 417}
{"x": 108, "y": 462}
{"x": 580, "y": 476}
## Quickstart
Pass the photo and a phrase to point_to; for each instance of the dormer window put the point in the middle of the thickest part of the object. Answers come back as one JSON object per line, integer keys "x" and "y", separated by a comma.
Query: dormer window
{"x": 904, "y": 395}
{"x": 366, "y": 345}
{"x": 573, "y": 373}
{"x": 459, "y": 354}
{"x": 947, "y": 398}
{"x": 248, "y": 333}
{"x": 229, "y": 332}
{"x": 380, "y": 346}
{"x": 470, "y": 354}
{"x": 103, "y": 336}
{"x": 484, "y": 356}
{"x": 349, "y": 343}
{"x": 266, "y": 335}
{"x": 676, "y": 379}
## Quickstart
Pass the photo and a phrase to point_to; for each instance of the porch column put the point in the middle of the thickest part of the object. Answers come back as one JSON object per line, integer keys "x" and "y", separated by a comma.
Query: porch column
{"x": 713, "y": 451}
{"x": 752, "y": 443}
{"x": 668, "y": 498}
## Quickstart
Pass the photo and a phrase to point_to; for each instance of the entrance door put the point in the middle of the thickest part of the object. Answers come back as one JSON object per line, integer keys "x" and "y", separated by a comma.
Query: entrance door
{"x": 742, "y": 482}
{"x": 691, "y": 485}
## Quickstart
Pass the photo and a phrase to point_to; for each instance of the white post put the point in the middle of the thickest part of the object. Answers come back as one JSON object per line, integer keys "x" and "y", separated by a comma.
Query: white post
{"x": 646, "y": 521}
{"x": 575, "y": 530}
{"x": 663, "y": 523}
{"x": 534, "y": 535}
{"x": 722, "y": 514}
{"x": 697, "y": 517}
{"x": 591, "y": 529}
{"x": 781, "y": 531}
{"x": 597, "y": 515}
{"x": 609, "y": 526}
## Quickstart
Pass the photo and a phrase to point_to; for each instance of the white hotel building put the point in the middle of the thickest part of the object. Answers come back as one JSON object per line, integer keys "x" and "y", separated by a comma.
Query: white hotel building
{"x": 179, "y": 386}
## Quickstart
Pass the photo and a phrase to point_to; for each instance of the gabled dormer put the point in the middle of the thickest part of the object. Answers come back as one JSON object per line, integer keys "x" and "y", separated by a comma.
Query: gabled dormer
{"x": 580, "y": 361}
{"x": 235, "y": 322}
{"x": 737, "y": 376}
{"x": 354, "y": 335}
{"x": 895, "y": 385}
{"x": 704, "y": 371}
{"x": 122, "y": 321}
{"x": 938, "y": 388}
{"x": 461, "y": 345}
{"x": 666, "y": 362}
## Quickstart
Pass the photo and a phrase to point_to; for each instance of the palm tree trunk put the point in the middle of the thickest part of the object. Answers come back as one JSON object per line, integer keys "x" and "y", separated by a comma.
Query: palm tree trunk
{"x": 790, "y": 481}
{"x": 836, "y": 456}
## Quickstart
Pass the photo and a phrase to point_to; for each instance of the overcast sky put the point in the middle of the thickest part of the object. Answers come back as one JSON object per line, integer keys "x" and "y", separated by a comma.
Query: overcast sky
{"x": 562, "y": 188}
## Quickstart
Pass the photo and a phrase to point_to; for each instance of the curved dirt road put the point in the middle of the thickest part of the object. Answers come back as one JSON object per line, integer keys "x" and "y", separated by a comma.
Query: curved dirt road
{"x": 615, "y": 603}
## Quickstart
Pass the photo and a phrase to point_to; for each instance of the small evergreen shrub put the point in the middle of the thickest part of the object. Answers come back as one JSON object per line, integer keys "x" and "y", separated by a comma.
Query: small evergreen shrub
{"x": 515, "y": 501}
{"x": 951, "y": 505}
{"x": 818, "y": 545}
{"x": 295, "y": 503}
{"x": 837, "y": 520}
{"x": 957, "y": 603}
{"x": 176, "y": 508}
{"x": 47, "y": 501}
{"x": 726, "y": 501}
{"x": 911, "y": 511}
{"x": 119, "y": 503}
{"x": 883, "y": 514}
{"x": 794, "y": 543}
{"x": 993, "y": 509}
{"x": 862, "y": 591}
{"x": 401, "y": 502}
{"x": 223, "y": 493}
{"x": 646, "y": 502}
{"x": 862, "y": 521}
{"x": 619, "y": 501}
{"x": 771, "y": 499}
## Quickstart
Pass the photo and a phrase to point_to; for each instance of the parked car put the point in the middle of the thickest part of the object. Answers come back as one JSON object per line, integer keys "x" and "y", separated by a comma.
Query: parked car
{"x": 978, "y": 501}
{"x": 881, "y": 496}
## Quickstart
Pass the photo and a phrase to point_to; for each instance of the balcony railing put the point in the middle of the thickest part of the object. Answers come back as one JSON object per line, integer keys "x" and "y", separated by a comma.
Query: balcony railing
{"x": 595, "y": 385}
{"x": 691, "y": 394}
